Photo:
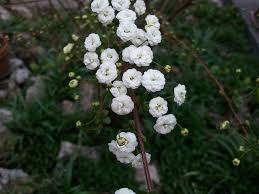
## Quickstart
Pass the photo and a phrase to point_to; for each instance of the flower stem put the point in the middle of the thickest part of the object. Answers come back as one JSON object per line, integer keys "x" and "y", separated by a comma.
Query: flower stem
{"x": 141, "y": 143}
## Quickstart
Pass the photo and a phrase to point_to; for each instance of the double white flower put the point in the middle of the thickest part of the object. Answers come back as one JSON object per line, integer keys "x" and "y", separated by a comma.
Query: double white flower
{"x": 106, "y": 15}
{"x": 120, "y": 5}
{"x": 140, "y": 7}
{"x": 109, "y": 55}
{"x": 122, "y": 105}
{"x": 92, "y": 42}
{"x": 165, "y": 124}
{"x": 98, "y": 5}
{"x": 153, "y": 80}
{"x": 122, "y": 148}
{"x": 142, "y": 56}
{"x": 91, "y": 60}
{"x": 107, "y": 72}
{"x": 132, "y": 78}
{"x": 179, "y": 94}
{"x": 126, "y": 31}
{"x": 118, "y": 89}
{"x": 158, "y": 107}
{"x": 126, "y": 15}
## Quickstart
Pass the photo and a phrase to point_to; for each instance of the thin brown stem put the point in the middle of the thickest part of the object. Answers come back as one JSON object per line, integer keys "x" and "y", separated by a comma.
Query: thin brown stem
{"x": 163, "y": 6}
{"x": 179, "y": 10}
{"x": 101, "y": 98}
{"x": 174, "y": 40}
{"x": 141, "y": 143}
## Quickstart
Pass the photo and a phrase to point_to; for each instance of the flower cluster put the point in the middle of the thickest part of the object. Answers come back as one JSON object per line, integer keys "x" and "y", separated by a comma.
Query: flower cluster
{"x": 123, "y": 148}
{"x": 137, "y": 56}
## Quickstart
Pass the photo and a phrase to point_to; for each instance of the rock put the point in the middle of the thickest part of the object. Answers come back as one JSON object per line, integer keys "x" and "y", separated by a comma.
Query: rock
{"x": 68, "y": 149}
{"x": 217, "y": 2}
{"x": 23, "y": 11}
{"x": 4, "y": 14}
{"x": 5, "y": 115}
{"x": 35, "y": 91}
{"x": 16, "y": 63}
{"x": 3, "y": 129}
{"x": 68, "y": 107}
{"x": 9, "y": 175}
{"x": 21, "y": 75}
{"x": 141, "y": 179}
{"x": 88, "y": 94}
{"x": 3, "y": 93}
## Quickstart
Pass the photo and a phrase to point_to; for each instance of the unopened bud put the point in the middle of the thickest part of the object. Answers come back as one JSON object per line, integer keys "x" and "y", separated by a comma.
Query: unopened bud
{"x": 236, "y": 162}
{"x": 225, "y": 125}
{"x": 78, "y": 124}
{"x": 184, "y": 132}
{"x": 73, "y": 83}
{"x": 168, "y": 68}
{"x": 71, "y": 74}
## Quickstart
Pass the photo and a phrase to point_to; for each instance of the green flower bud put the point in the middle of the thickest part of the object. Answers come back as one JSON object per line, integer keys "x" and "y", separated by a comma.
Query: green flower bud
{"x": 236, "y": 162}
{"x": 78, "y": 124}
{"x": 184, "y": 132}
{"x": 71, "y": 74}
{"x": 73, "y": 83}
{"x": 168, "y": 68}
{"x": 225, "y": 125}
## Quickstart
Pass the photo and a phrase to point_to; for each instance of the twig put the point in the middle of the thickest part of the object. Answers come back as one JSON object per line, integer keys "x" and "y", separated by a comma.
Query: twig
{"x": 163, "y": 6}
{"x": 141, "y": 144}
{"x": 179, "y": 10}
{"x": 173, "y": 39}
{"x": 101, "y": 98}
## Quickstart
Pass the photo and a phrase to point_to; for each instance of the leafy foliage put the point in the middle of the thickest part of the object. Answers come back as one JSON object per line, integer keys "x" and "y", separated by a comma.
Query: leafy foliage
{"x": 199, "y": 163}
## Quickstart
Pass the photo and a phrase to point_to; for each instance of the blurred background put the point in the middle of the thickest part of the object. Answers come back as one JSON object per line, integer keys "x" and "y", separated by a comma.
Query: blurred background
{"x": 44, "y": 149}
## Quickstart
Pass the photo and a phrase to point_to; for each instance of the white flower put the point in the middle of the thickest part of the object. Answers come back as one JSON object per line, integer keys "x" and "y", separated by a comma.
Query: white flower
{"x": 158, "y": 107}
{"x": 139, "y": 38}
{"x": 152, "y": 21}
{"x": 91, "y": 60}
{"x": 126, "y": 15}
{"x": 109, "y": 55}
{"x": 165, "y": 124}
{"x": 124, "y": 191}
{"x": 154, "y": 36}
{"x": 126, "y": 53}
{"x": 125, "y": 158}
{"x": 107, "y": 72}
{"x": 142, "y": 56}
{"x": 126, "y": 142}
{"x": 179, "y": 94}
{"x": 140, "y": 7}
{"x": 138, "y": 162}
{"x": 98, "y": 5}
{"x": 132, "y": 78}
{"x": 68, "y": 48}
{"x": 153, "y": 80}
{"x": 122, "y": 105}
{"x": 126, "y": 31}
{"x": 92, "y": 42}
{"x": 118, "y": 89}
{"x": 106, "y": 16}
{"x": 120, "y": 5}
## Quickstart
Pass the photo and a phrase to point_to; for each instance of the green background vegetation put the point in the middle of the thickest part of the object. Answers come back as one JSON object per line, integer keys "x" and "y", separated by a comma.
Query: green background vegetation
{"x": 197, "y": 164}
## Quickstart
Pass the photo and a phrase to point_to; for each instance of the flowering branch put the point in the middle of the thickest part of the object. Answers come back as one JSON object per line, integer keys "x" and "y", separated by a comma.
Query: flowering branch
{"x": 141, "y": 144}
